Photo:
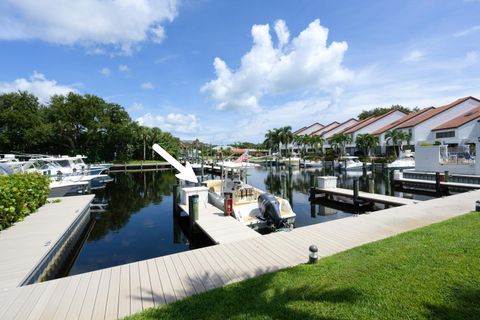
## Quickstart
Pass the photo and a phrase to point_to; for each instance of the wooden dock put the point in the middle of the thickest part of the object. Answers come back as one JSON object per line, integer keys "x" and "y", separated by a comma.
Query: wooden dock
{"x": 27, "y": 243}
{"x": 147, "y": 166}
{"x": 123, "y": 290}
{"x": 221, "y": 228}
{"x": 365, "y": 196}
{"x": 432, "y": 183}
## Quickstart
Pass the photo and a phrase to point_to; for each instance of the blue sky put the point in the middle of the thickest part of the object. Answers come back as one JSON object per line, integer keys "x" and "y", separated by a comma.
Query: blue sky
{"x": 226, "y": 71}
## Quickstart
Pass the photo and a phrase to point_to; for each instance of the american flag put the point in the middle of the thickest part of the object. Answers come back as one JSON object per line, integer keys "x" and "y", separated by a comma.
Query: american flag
{"x": 242, "y": 158}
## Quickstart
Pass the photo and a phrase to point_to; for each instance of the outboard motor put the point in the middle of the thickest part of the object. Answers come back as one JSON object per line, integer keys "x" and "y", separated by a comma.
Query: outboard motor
{"x": 270, "y": 209}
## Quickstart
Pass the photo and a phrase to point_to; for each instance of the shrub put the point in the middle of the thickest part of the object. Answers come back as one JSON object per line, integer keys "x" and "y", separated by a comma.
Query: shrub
{"x": 20, "y": 195}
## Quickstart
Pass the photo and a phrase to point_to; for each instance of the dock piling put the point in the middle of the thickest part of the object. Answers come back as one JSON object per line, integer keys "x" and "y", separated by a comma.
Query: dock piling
{"x": 192, "y": 211}
{"x": 355, "y": 192}
{"x": 437, "y": 183}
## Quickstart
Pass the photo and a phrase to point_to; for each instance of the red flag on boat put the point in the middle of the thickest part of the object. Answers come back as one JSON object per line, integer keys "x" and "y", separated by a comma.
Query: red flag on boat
{"x": 243, "y": 157}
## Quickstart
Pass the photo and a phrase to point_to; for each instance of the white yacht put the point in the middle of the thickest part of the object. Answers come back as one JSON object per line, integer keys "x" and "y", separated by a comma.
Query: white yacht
{"x": 352, "y": 163}
{"x": 76, "y": 164}
{"x": 406, "y": 160}
{"x": 250, "y": 205}
{"x": 293, "y": 161}
{"x": 313, "y": 164}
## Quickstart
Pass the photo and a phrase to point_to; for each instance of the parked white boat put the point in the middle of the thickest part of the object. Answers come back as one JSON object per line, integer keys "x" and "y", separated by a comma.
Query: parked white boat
{"x": 352, "y": 163}
{"x": 250, "y": 205}
{"x": 313, "y": 164}
{"x": 62, "y": 187}
{"x": 404, "y": 161}
{"x": 293, "y": 161}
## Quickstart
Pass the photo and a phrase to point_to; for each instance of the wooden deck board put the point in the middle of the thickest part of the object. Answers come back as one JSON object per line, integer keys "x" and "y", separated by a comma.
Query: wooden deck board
{"x": 79, "y": 296}
{"x": 88, "y": 302}
{"x": 111, "y": 308}
{"x": 124, "y": 294}
{"x": 24, "y": 244}
{"x": 156, "y": 283}
{"x": 100, "y": 305}
{"x": 146, "y": 292}
{"x": 380, "y": 198}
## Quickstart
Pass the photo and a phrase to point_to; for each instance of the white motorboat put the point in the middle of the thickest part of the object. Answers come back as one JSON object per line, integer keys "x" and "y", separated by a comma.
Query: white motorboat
{"x": 293, "y": 161}
{"x": 250, "y": 205}
{"x": 63, "y": 187}
{"x": 313, "y": 164}
{"x": 69, "y": 165}
{"x": 352, "y": 163}
{"x": 404, "y": 161}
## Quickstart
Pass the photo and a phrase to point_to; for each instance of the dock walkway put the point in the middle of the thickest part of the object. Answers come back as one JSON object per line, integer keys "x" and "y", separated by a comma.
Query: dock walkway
{"x": 220, "y": 228}
{"x": 123, "y": 290}
{"x": 373, "y": 197}
{"x": 442, "y": 183}
{"x": 26, "y": 243}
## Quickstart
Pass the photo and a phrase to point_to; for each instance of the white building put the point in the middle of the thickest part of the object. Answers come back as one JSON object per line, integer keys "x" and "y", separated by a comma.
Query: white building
{"x": 369, "y": 125}
{"x": 421, "y": 126}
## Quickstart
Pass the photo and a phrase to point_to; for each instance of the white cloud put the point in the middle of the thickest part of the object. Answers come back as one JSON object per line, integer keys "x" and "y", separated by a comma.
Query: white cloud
{"x": 414, "y": 56}
{"x": 38, "y": 85}
{"x": 467, "y": 31}
{"x": 106, "y": 72}
{"x": 471, "y": 57}
{"x": 90, "y": 23}
{"x": 173, "y": 122}
{"x": 147, "y": 86}
{"x": 306, "y": 64}
{"x": 123, "y": 68}
{"x": 135, "y": 107}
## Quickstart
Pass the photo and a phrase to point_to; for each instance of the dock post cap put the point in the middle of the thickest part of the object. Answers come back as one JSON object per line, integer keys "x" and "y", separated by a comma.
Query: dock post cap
{"x": 313, "y": 254}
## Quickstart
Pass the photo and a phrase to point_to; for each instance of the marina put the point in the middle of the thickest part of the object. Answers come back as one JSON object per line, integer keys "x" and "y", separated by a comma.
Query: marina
{"x": 133, "y": 287}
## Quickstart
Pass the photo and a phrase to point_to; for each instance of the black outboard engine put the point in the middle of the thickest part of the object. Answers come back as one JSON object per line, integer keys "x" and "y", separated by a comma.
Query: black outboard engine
{"x": 270, "y": 209}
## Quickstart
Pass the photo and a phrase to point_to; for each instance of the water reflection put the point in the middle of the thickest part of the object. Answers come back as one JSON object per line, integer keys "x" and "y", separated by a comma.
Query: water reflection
{"x": 138, "y": 223}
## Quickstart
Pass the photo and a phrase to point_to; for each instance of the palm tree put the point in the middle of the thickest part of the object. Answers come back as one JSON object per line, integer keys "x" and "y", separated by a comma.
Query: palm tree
{"x": 272, "y": 140}
{"x": 408, "y": 138}
{"x": 302, "y": 142}
{"x": 286, "y": 137}
{"x": 396, "y": 137}
{"x": 365, "y": 142}
{"x": 340, "y": 140}
{"x": 317, "y": 142}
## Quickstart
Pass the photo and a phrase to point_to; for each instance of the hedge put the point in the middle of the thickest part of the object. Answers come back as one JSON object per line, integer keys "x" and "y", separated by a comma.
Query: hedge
{"x": 20, "y": 195}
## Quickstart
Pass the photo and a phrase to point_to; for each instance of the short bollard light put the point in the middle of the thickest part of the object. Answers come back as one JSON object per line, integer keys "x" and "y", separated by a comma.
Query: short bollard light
{"x": 313, "y": 255}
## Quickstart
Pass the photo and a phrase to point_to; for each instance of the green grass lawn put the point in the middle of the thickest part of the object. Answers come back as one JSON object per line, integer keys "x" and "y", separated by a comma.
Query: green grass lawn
{"x": 430, "y": 273}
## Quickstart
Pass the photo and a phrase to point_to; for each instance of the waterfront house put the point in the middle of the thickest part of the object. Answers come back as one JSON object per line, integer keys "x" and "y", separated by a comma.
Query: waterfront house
{"x": 385, "y": 147}
{"x": 309, "y": 129}
{"x": 369, "y": 125}
{"x": 329, "y": 126}
{"x": 421, "y": 126}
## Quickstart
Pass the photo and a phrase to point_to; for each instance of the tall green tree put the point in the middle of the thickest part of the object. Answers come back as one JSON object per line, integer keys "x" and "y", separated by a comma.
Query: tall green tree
{"x": 339, "y": 141}
{"x": 396, "y": 137}
{"x": 366, "y": 142}
{"x": 23, "y": 127}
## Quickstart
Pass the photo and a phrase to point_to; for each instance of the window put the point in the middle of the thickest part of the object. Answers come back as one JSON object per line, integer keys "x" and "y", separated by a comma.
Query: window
{"x": 445, "y": 134}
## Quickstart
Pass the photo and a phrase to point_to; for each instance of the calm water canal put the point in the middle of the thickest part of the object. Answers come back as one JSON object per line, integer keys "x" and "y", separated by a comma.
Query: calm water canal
{"x": 139, "y": 224}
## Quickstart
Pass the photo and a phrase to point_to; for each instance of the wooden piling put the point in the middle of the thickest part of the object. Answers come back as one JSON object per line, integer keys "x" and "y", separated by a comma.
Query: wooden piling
{"x": 447, "y": 173}
{"x": 355, "y": 192}
{"x": 312, "y": 181}
{"x": 176, "y": 198}
{"x": 192, "y": 210}
{"x": 437, "y": 183}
